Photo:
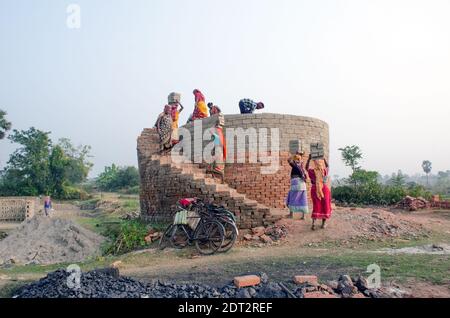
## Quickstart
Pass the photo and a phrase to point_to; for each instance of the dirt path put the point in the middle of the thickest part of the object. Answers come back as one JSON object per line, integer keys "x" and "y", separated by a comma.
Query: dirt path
{"x": 434, "y": 219}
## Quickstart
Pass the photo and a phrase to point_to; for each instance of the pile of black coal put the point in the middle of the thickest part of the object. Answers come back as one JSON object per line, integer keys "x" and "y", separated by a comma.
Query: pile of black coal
{"x": 107, "y": 283}
{"x": 94, "y": 284}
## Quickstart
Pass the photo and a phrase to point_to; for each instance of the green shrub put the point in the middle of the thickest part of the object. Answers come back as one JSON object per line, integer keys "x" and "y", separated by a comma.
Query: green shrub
{"x": 126, "y": 236}
{"x": 115, "y": 178}
{"x": 376, "y": 194}
{"x": 130, "y": 190}
{"x": 131, "y": 205}
{"x": 73, "y": 193}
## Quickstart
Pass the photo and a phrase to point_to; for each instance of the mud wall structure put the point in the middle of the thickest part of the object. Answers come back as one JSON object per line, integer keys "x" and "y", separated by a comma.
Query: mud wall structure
{"x": 253, "y": 194}
{"x": 18, "y": 209}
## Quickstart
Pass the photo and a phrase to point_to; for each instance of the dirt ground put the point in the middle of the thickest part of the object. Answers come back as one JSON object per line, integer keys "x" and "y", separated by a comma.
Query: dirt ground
{"x": 353, "y": 239}
{"x": 350, "y": 232}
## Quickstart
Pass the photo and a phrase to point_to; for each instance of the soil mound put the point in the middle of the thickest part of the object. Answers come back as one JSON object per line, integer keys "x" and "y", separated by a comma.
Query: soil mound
{"x": 44, "y": 240}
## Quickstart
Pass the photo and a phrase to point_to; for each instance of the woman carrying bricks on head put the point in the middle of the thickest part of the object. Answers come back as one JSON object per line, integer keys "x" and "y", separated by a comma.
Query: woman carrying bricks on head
{"x": 176, "y": 109}
{"x": 320, "y": 193}
{"x": 200, "y": 109}
{"x": 164, "y": 128}
{"x": 297, "y": 200}
{"x": 214, "y": 109}
{"x": 220, "y": 151}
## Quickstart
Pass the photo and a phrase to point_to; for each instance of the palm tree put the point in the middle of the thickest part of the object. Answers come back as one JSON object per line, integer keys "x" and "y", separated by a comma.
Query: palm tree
{"x": 427, "y": 166}
{"x": 4, "y": 124}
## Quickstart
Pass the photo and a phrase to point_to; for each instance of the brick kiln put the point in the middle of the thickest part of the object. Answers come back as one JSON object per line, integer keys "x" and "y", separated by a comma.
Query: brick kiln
{"x": 255, "y": 186}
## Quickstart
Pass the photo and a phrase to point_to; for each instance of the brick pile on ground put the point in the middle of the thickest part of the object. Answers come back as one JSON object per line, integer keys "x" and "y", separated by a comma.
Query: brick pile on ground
{"x": 44, "y": 240}
{"x": 413, "y": 204}
{"x": 107, "y": 283}
{"x": 266, "y": 235}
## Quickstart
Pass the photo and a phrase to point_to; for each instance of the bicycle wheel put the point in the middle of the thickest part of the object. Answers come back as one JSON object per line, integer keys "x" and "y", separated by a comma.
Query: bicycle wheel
{"x": 180, "y": 236}
{"x": 230, "y": 236}
{"x": 165, "y": 237}
{"x": 209, "y": 237}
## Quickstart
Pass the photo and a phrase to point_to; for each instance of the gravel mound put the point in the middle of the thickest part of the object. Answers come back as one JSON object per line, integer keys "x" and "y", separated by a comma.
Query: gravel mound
{"x": 383, "y": 224}
{"x": 44, "y": 240}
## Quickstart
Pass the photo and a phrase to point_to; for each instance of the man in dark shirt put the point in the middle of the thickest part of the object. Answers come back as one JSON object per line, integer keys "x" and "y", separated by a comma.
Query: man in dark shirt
{"x": 247, "y": 106}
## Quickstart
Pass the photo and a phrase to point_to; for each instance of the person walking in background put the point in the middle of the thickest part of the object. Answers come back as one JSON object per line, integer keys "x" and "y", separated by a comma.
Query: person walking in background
{"x": 320, "y": 193}
{"x": 47, "y": 205}
{"x": 247, "y": 106}
{"x": 297, "y": 199}
{"x": 200, "y": 109}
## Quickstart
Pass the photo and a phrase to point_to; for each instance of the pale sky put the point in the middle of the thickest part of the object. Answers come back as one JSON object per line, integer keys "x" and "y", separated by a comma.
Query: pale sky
{"x": 377, "y": 71}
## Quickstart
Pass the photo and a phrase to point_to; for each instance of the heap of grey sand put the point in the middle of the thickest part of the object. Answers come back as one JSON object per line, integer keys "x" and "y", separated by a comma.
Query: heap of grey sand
{"x": 43, "y": 240}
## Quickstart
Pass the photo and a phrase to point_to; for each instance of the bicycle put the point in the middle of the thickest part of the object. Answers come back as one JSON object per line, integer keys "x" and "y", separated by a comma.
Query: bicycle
{"x": 226, "y": 218}
{"x": 208, "y": 235}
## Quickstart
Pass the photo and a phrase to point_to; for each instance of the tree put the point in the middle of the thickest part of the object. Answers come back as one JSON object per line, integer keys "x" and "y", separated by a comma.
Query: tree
{"x": 4, "y": 124}
{"x": 58, "y": 164}
{"x": 427, "y": 166}
{"x": 78, "y": 165}
{"x": 398, "y": 179}
{"x": 38, "y": 167}
{"x": 115, "y": 178}
{"x": 364, "y": 177}
{"x": 351, "y": 156}
{"x": 29, "y": 163}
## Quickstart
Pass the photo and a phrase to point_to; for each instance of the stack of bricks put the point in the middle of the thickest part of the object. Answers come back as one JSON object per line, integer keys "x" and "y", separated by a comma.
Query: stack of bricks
{"x": 249, "y": 193}
{"x": 165, "y": 182}
{"x": 272, "y": 189}
{"x": 17, "y": 209}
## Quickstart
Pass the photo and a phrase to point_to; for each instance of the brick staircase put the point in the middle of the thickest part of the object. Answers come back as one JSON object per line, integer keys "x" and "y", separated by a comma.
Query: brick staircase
{"x": 249, "y": 212}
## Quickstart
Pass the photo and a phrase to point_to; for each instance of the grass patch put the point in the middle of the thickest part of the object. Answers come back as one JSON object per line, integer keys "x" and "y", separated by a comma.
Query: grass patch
{"x": 130, "y": 205}
{"x": 7, "y": 290}
{"x": 34, "y": 271}
{"x": 359, "y": 244}
{"x": 431, "y": 268}
{"x": 401, "y": 268}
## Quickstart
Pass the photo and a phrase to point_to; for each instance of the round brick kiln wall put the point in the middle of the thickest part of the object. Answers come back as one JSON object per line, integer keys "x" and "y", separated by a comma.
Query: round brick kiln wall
{"x": 271, "y": 189}
{"x": 249, "y": 193}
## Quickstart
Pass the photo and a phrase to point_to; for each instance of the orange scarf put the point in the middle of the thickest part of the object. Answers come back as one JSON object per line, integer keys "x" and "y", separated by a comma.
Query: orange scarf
{"x": 319, "y": 172}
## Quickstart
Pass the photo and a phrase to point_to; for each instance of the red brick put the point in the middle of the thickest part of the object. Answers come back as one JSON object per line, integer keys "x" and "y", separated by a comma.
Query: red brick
{"x": 319, "y": 295}
{"x": 246, "y": 281}
{"x": 301, "y": 279}
{"x": 266, "y": 239}
{"x": 359, "y": 295}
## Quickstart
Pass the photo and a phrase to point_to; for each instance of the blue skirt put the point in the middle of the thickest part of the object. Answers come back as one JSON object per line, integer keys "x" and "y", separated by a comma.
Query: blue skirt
{"x": 297, "y": 199}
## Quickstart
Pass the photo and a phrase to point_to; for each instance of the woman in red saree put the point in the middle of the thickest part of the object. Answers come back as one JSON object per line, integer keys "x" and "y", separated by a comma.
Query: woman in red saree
{"x": 320, "y": 192}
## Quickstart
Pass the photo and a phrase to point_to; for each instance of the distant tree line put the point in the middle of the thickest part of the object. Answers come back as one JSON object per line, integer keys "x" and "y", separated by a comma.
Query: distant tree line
{"x": 4, "y": 124}
{"x": 368, "y": 187}
{"x": 41, "y": 167}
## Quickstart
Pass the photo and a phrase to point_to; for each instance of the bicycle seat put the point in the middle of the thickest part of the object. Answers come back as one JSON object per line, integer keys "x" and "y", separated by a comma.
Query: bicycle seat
{"x": 186, "y": 202}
